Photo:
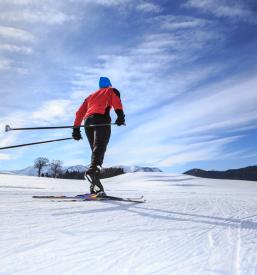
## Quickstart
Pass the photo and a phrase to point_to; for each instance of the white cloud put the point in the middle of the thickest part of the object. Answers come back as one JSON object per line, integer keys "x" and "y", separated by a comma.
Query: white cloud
{"x": 171, "y": 22}
{"x": 48, "y": 17}
{"x": 12, "y": 66}
{"x": 52, "y": 110}
{"x": 109, "y": 2}
{"x": 15, "y": 49}
{"x": 5, "y": 64}
{"x": 164, "y": 137}
{"x": 16, "y": 33}
{"x": 238, "y": 10}
{"x": 159, "y": 67}
{"x": 148, "y": 7}
{"x": 17, "y": 2}
{"x": 208, "y": 150}
{"x": 141, "y": 66}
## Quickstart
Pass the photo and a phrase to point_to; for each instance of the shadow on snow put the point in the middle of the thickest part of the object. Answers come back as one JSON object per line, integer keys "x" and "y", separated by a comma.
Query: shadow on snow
{"x": 155, "y": 213}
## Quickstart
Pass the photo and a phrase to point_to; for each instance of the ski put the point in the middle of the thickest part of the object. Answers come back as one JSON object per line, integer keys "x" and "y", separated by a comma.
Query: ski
{"x": 90, "y": 197}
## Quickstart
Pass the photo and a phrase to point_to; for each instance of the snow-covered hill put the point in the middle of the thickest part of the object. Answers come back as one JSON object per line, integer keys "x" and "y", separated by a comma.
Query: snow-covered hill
{"x": 31, "y": 171}
{"x": 187, "y": 226}
{"x": 134, "y": 168}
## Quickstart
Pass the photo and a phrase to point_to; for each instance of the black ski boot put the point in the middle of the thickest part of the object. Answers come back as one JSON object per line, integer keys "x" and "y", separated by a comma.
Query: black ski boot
{"x": 92, "y": 174}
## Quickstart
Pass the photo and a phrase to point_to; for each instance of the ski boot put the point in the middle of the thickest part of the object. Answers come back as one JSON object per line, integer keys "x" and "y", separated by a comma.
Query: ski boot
{"x": 96, "y": 187}
{"x": 101, "y": 194}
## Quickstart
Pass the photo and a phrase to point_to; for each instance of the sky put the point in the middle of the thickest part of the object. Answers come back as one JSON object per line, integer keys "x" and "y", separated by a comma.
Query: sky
{"x": 186, "y": 71}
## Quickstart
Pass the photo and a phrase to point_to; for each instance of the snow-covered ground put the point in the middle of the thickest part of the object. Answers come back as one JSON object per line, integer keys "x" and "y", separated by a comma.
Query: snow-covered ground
{"x": 187, "y": 226}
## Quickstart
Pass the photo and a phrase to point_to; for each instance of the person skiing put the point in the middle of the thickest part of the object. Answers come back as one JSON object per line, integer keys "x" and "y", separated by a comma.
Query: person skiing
{"x": 96, "y": 110}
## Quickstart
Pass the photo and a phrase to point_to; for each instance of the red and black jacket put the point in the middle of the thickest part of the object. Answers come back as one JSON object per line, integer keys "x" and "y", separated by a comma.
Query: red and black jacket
{"x": 99, "y": 102}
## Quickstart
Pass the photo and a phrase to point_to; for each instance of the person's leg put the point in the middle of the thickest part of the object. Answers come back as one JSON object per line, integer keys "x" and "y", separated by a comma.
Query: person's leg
{"x": 90, "y": 136}
{"x": 98, "y": 138}
{"x": 92, "y": 172}
{"x": 101, "y": 140}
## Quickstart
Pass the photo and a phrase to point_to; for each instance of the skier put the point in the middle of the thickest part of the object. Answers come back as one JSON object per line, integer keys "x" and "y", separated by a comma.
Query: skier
{"x": 96, "y": 110}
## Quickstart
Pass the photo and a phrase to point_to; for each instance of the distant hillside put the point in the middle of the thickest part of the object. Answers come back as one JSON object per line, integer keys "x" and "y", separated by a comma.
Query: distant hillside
{"x": 134, "y": 168}
{"x": 247, "y": 173}
{"x": 77, "y": 171}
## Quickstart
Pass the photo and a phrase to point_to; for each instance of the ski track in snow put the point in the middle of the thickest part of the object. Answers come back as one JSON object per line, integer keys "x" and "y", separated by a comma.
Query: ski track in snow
{"x": 187, "y": 226}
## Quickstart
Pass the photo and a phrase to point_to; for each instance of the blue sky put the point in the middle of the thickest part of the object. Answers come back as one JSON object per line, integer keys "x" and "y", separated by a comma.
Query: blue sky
{"x": 186, "y": 71}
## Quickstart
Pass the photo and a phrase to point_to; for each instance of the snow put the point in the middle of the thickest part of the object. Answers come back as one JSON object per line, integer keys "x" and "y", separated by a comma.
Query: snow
{"x": 187, "y": 226}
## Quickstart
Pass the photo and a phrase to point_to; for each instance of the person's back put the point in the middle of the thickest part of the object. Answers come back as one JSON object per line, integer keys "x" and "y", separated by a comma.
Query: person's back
{"x": 96, "y": 110}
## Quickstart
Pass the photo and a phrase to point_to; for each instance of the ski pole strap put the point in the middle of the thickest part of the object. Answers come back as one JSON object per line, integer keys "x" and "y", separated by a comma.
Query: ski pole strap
{"x": 8, "y": 127}
{"x": 34, "y": 143}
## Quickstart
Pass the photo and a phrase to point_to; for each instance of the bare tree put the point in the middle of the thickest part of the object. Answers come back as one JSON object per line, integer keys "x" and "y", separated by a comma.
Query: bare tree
{"x": 56, "y": 168}
{"x": 39, "y": 163}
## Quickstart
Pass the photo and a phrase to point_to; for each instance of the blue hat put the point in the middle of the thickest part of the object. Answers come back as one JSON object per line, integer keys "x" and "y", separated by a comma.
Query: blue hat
{"x": 104, "y": 82}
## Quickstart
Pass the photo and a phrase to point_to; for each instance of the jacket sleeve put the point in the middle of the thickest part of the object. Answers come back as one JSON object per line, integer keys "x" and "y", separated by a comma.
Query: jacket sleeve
{"x": 115, "y": 100}
{"x": 80, "y": 113}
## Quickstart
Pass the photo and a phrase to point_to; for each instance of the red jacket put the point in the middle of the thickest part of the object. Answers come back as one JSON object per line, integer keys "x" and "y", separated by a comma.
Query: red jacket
{"x": 97, "y": 103}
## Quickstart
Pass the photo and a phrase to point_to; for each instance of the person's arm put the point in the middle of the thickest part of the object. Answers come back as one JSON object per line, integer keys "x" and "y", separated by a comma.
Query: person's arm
{"x": 76, "y": 134}
{"x": 80, "y": 113}
{"x": 117, "y": 105}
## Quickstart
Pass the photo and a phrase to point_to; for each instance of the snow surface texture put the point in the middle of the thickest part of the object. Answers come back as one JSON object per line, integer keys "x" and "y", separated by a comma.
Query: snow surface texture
{"x": 187, "y": 226}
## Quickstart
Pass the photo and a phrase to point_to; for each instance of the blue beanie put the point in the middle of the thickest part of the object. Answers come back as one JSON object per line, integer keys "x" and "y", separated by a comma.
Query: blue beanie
{"x": 104, "y": 82}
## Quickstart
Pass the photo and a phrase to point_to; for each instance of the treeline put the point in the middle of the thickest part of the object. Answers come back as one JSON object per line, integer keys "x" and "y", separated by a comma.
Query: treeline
{"x": 246, "y": 173}
{"x": 105, "y": 173}
{"x": 54, "y": 169}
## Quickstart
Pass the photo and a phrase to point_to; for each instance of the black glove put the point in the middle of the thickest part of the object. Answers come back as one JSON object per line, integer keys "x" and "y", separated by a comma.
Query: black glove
{"x": 121, "y": 117}
{"x": 76, "y": 134}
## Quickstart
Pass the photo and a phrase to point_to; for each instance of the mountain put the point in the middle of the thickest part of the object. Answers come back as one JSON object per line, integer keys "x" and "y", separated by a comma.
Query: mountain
{"x": 75, "y": 168}
{"x": 134, "y": 168}
{"x": 247, "y": 173}
{"x": 31, "y": 171}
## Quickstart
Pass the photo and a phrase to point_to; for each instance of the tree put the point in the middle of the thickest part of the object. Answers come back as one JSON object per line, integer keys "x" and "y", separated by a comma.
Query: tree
{"x": 56, "y": 168}
{"x": 39, "y": 163}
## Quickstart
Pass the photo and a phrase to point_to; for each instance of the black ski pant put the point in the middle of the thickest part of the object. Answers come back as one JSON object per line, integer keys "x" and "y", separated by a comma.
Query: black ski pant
{"x": 98, "y": 137}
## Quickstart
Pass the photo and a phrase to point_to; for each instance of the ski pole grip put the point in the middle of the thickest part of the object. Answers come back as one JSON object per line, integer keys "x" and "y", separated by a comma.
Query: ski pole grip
{"x": 7, "y": 128}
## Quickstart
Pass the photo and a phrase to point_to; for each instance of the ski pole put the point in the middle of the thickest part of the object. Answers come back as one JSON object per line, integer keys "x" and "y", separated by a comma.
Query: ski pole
{"x": 8, "y": 127}
{"x": 34, "y": 143}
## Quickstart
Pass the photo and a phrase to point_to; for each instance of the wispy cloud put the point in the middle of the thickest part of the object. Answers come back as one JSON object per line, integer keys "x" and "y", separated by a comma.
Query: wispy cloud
{"x": 208, "y": 150}
{"x": 47, "y": 17}
{"x": 237, "y": 10}
{"x": 16, "y": 2}
{"x": 11, "y": 65}
{"x": 51, "y": 111}
{"x": 5, "y": 64}
{"x": 15, "y": 49}
{"x": 192, "y": 116}
{"x": 163, "y": 57}
{"x": 107, "y": 2}
{"x": 148, "y": 7}
{"x": 155, "y": 53}
{"x": 16, "y": 33}
{"x": 172, "y": 22}
{"x": 15, "y": 41}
